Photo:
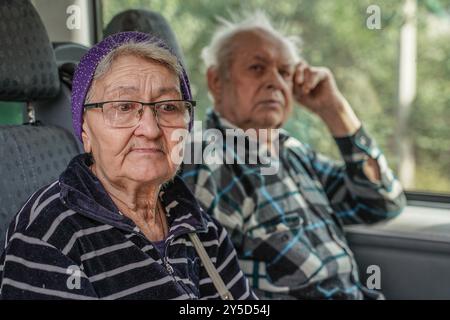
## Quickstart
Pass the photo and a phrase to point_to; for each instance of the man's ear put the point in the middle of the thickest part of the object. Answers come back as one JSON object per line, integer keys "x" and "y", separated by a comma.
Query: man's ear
{"x": 85, "y": 136}
{"x": 214, "y": 83}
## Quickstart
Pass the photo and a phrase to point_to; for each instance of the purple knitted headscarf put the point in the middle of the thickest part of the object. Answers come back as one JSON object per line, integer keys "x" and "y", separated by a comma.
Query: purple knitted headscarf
{"x": 85, "y": 71}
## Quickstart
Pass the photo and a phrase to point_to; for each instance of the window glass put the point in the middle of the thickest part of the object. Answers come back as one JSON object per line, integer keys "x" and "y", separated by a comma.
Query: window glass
{"x": 362, "y": 42}
{"x": 11, "y": 112}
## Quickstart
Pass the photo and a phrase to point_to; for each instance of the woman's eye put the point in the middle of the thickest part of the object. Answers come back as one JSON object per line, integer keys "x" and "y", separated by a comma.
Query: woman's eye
{"x": 125, "y": 107}
{"x": 167, "y": 107}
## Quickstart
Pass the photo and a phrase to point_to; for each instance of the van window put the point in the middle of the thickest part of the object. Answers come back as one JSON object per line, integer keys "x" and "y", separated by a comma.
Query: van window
{"x": 390, "y": 59}
{"x": 11, "y": 112}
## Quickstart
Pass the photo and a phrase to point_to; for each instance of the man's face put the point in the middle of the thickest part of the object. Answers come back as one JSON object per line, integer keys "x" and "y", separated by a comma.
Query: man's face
{"x": 257, "y": 91}
{"x": 140, "y": 153}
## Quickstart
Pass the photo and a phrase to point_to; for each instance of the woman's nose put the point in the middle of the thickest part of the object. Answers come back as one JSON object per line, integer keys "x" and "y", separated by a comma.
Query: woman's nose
{"x": 148, "y": 124}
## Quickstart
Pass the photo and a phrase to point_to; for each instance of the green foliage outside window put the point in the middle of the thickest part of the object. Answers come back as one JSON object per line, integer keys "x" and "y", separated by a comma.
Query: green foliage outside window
{"x": 365, "y": 64}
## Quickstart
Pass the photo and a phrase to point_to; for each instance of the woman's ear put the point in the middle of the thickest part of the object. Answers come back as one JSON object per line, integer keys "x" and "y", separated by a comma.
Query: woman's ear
{"x": 214, "y": 84}
{"x": 85, "y": 133}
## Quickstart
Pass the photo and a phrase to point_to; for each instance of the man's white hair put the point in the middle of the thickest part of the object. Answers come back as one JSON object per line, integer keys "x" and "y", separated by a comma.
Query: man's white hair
{"x": 219, "y": 52}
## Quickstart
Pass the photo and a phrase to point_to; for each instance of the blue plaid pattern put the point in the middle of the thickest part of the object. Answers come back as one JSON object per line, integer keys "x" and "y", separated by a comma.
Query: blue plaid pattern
{"x": 287, "y": 228}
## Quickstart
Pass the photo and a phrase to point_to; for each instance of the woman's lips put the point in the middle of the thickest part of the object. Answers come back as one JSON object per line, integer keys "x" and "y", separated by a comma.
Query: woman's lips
{"x": 147, "y": 150}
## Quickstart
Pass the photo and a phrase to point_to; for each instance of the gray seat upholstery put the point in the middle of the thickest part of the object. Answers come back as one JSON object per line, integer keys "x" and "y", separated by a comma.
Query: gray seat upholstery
{"x": 28, "y": 69}
{"x": 32, "y": 155}
{"x": 68, "y": 54}
{"x": 57, "y": 111}
{"x": 145, "y": 21}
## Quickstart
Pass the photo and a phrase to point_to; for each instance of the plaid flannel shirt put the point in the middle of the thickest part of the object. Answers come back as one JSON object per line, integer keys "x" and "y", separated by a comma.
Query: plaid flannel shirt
{"x": 288, "y": 227}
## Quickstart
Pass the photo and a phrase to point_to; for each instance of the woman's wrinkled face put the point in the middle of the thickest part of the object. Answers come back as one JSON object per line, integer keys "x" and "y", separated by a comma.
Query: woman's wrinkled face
{"x": 140, "y": 153}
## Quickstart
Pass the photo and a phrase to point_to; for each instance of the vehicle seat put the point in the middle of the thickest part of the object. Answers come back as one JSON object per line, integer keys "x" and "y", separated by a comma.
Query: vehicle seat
{"x": 58, "y": 112}
{"x": 68, "y": 55}
{"x": 145, "y": 21}
{"x": 33, "y": 154}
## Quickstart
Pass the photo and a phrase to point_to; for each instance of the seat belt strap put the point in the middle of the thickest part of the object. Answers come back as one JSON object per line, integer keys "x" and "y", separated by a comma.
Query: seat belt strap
{"x": 224, "y": 293}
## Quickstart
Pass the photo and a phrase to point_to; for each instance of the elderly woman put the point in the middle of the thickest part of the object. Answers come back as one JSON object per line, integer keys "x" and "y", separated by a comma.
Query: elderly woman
{"x": 119, "y": 223}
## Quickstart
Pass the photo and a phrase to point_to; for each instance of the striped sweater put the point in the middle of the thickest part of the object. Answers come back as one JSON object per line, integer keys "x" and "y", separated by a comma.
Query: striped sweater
{"x": 69, "y": 241}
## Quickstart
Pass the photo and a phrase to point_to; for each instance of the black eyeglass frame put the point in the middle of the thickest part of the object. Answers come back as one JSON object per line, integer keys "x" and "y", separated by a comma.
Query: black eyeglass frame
{"x": 99, "y": 105}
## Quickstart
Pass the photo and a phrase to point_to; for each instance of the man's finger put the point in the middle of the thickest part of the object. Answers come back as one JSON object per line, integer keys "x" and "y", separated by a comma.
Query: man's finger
{"x": 299, "y": 73}
{"x": 308, "y": 75}
{"x": 316, "y": 76}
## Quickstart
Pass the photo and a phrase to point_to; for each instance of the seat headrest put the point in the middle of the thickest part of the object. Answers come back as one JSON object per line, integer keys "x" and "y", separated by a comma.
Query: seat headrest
{"x": 28, "y": 70}
{"x": 68, "y": 52}
{"x": 68, "y": 55}
{"x": 144, "y": 21}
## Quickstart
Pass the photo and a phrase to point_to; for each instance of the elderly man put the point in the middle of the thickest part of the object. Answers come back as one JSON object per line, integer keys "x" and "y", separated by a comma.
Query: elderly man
{"x": 287, "y": 227}
{"x": 119, "y": 223}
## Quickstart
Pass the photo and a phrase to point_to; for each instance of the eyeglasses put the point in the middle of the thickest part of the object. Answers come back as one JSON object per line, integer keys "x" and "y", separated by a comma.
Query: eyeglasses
{"x": 126, "y": 114}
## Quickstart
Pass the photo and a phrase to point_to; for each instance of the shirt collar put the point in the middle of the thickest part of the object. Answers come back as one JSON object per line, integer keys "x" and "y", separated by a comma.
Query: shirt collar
{"x": 215, "y": 120}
